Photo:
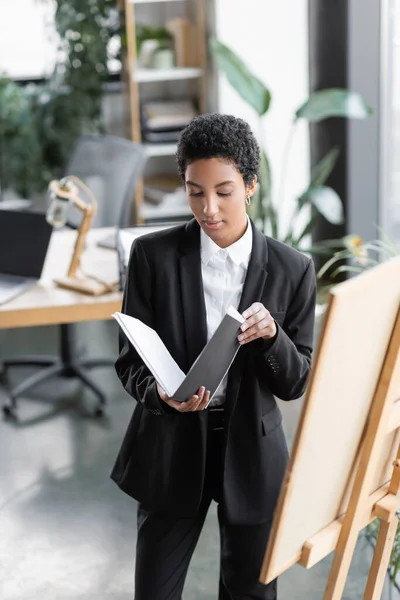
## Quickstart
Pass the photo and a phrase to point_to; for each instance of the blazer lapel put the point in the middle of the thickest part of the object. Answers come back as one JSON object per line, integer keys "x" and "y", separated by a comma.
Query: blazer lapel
{"x": 256, "y": 271}
{"x": 253, "y": 287}
{"x": 194, "y": 310}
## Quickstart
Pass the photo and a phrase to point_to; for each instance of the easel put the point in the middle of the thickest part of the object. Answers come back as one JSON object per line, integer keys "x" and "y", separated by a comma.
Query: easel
{"x": 387, "y": 391}
{"x": 363, "y": 507}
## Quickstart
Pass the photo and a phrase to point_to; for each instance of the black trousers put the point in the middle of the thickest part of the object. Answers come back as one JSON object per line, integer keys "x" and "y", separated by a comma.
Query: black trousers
{"x": 165, "y": 544}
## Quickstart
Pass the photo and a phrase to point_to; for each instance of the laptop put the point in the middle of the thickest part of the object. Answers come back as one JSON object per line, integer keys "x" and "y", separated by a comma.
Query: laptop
{"x": 110, "y": 241}
{"x": 121, "y": 254}
{"x": 24, "y": 240}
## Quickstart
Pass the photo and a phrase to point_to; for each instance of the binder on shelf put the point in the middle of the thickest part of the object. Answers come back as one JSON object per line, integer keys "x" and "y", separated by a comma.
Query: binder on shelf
{"x": 162, "y": 121}
{"x": 156, "y": 188}
{"x": 169, "y": 114}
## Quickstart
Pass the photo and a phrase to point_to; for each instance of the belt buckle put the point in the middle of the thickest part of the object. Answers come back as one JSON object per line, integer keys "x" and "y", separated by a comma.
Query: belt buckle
{"x": 217, "y": 409}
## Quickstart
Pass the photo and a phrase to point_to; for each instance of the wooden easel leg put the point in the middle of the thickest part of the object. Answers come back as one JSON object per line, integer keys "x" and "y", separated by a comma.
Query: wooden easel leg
{"x": 386, "y": 537}
{"x": 380, "y": 562}
{"x": 342, "y": 560}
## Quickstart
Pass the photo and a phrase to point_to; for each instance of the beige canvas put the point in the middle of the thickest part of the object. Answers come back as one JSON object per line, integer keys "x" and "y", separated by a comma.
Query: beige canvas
{"x": 357, "y": 329}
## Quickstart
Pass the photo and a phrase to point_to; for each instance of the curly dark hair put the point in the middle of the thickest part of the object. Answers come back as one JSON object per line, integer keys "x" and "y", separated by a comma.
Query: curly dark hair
{"x": 219, "y": 136}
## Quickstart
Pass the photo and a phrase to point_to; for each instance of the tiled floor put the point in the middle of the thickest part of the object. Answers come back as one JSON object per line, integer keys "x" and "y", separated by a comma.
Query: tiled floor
{"x": 66, "y": 531}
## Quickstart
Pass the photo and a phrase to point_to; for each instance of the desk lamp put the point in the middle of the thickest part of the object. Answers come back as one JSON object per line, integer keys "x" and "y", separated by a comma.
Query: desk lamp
{"x": 61, "y": 194}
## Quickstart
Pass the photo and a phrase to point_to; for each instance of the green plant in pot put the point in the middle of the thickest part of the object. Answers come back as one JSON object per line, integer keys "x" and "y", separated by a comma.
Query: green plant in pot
{"x": 158, "y": 38}
{"x": 160, "y": 34}
{"x": 357, "y": 256}
{"x": 70, "y": 103}
{"x": 318, "y": 198}
{"x": 351, "y": 255}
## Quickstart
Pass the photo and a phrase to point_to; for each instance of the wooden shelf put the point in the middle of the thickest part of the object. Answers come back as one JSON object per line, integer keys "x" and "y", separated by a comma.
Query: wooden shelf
{"x": 160, "y": 149}
{"x": 151, "y": 1}
{"x": 147, "y": 75}
{"x": 193, "y": 78}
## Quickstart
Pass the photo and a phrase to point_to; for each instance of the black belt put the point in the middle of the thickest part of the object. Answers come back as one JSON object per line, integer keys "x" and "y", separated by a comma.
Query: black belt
{"x": 216, "y": 419}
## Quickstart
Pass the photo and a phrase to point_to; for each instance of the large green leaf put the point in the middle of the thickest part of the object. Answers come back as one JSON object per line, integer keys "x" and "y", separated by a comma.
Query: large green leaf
{"x": 324, "y": 168}
{"x": 247, "y": 85}
{"x": 333, "y": 102}
{"x": 326, "y": 201}
{"x": 338, "y": 256}
{"x": 346, "y": 269}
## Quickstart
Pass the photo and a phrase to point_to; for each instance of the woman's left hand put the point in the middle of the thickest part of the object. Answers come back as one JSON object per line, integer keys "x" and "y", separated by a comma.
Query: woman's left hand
{"x": 258, "y": 324}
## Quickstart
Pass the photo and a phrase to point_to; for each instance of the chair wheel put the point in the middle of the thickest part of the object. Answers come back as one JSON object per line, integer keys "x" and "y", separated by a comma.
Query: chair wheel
{"x": 9, "y": 412}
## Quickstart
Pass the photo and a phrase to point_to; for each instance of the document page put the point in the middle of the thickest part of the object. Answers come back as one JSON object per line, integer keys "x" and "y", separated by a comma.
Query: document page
{"x": 152, "y": 351}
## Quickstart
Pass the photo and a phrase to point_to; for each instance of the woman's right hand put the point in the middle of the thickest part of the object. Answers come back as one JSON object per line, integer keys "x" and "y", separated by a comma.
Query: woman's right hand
{"x": 197, "y": 402}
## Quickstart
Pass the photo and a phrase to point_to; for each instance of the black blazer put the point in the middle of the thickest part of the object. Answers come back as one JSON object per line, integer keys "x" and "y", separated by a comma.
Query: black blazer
{"x": 162, "y": 459}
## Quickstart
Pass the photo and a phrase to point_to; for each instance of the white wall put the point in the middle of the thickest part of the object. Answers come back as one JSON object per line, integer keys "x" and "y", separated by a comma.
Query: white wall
{"x": 272, "y": 38}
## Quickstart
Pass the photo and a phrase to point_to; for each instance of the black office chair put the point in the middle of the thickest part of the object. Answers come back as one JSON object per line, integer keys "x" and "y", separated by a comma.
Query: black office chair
{"x": 110, "y": 167}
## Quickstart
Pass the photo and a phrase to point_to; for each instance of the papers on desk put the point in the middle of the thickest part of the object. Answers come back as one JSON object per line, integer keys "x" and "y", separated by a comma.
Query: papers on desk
{"x": 208, "y": 370}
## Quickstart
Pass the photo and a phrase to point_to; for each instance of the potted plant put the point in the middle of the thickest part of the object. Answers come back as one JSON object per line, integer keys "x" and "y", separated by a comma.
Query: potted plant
{"x": 40, "y": 123}
{"x": 150, "y": 42}
{"x": 356, "y": 255}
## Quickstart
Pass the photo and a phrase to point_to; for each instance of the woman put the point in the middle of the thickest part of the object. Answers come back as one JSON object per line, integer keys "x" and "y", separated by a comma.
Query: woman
{"x": 177, "y": 458}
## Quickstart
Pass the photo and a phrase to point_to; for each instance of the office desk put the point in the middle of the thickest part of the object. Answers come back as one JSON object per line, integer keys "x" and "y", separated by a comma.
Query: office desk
{"x": 48, "y": 304}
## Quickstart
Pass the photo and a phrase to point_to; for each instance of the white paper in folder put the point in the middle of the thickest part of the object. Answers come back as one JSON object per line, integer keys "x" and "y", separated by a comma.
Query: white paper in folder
{"x": 208, "y": 370}
{"x": 152, "y": 351}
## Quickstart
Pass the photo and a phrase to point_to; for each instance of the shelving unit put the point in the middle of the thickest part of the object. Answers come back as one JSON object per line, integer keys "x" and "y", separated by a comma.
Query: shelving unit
{"x": 137, "y": 77}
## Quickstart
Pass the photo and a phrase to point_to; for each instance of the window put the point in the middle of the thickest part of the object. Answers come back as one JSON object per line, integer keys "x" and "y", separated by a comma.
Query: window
{"x": 28, "y": 42}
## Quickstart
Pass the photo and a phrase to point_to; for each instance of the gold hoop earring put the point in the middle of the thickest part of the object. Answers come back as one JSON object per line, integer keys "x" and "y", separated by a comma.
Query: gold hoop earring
{"x": 248, "y": 200}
